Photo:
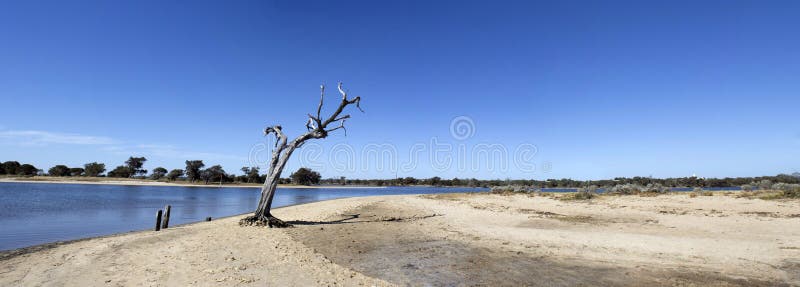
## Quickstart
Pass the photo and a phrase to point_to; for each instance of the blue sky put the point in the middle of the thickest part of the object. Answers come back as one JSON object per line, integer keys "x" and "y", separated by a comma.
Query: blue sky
{"x": 597, "y": 89}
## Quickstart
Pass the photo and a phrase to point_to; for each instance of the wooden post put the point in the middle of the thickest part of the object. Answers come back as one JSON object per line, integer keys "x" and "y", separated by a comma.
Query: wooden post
{"x": 165, "y": 222}
{"x": 158, "y": 220}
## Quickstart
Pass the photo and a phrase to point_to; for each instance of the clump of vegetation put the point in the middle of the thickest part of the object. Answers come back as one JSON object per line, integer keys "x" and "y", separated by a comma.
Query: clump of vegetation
{"x": 515, "y": 189}
{"x": 626, "y": 189}
{"x": 794, "y": 193}
{"x": 747, "y": 188}
{"x": 764, "y": 184}
{"x": 787, "y": 190}
{"x": 778, "y": 190}
{"x": 655, "y": 188}
{"x": 586, "y": 193}
{"x": 698, "y": 191}
{"x": 305, "y": 176}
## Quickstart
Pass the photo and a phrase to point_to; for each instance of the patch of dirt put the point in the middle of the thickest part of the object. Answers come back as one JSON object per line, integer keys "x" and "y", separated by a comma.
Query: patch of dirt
{"x": 673, "y": 211}
{"x": 792, "y": 268}
{"x": 419, "y": 249}
{"x": 771, "y": 214}
{"x": 445, "y": 196}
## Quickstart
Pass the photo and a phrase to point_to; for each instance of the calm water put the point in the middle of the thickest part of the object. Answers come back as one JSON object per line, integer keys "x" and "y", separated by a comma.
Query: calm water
{"x": 35, "y": 213}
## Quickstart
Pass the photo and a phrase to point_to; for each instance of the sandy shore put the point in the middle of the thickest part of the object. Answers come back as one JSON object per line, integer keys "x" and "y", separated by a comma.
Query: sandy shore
{"x": 107, "y": 181}
{"x": 450, "y": 239}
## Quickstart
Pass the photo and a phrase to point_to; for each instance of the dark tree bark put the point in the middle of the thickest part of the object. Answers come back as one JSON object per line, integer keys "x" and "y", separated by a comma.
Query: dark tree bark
{"x": 317, "y": 128}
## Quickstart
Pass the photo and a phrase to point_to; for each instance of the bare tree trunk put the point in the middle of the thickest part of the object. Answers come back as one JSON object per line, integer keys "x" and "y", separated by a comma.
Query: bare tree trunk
{"x": 317, "y": 129}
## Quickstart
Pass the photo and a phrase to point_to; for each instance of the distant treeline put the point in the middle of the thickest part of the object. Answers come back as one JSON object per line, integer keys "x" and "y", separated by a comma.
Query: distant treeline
{"x": 133, "y": 168}
{"x": 644, "y": 181}
{"x": 571, "y": 183}
{"x": 196, "y": 171}
{"x": 15, "y": 168}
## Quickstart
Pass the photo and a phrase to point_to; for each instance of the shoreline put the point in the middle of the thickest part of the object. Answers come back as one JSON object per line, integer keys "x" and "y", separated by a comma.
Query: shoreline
{"x": 444, "y": 239}
{"x": 11, "y": 253}
{"x": 159, "y": 183}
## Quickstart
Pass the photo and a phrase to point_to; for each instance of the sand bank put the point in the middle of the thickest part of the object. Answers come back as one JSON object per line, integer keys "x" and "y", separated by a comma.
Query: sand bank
{"x": 450, "y": 239}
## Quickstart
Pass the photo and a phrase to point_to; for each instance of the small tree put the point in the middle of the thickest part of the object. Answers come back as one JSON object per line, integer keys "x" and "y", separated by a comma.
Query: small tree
{"x": 76, "y": 171}
{"x": 11, "y": 167}
{"x": 253, "y": 174}
{"x": 409, "y": 180}
{"x": 193, "y": 168}
{"x": 121, "y": 171}
{"x": 158, "y": 173}
{"x": 246, "y": 170}
{"x": 213, "y": 173}
{"x": 27, "y": 170}
{"x": 174, "y": 174}
{"x": 305, "y": 176}
{"x": 135, "y": 164}
{"x": 59, "y": 170}
{"x": 94, "y": 169}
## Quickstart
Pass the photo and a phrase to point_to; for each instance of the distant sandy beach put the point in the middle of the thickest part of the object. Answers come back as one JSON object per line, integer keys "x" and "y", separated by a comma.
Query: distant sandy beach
{"x": 115, "y": 181}
{"x": 448, "y": 239}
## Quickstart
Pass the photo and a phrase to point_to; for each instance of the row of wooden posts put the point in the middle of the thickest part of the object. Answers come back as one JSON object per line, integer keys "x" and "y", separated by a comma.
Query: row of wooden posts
{"x": 164, "y": 223}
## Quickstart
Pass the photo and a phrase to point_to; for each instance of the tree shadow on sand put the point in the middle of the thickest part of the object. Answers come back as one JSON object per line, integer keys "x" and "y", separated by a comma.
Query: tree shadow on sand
{"x": 338, "y": 221}
{"x": 357, "y": 216}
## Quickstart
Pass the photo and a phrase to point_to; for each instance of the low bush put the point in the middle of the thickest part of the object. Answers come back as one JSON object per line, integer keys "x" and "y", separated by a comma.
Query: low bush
{"x": 626, "y": 189}
{"x": 787, "y": 190}
{"x": 514, "y": 189}
{"x": 699, "y": 191}
{"x": 585, "y": 193}
{"x": 656, "y": 188}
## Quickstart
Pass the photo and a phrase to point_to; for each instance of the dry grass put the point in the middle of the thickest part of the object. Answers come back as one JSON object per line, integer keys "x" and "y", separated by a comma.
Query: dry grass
{"x": 769, "y": 194}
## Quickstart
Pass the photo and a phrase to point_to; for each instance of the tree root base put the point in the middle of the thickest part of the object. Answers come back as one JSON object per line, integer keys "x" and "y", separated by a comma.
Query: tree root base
{"x": 267, "y": 220}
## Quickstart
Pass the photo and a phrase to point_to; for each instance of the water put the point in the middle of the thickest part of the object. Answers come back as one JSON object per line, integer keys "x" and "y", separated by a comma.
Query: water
{"x": 36, "y": 213}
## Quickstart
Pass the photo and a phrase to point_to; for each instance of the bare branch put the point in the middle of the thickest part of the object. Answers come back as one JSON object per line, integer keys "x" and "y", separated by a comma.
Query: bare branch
{"x": 312, "y": 123}
{"x": 357, "y": 101}
{"x": 321, "y": 97}
{"x": 280, "y": 138}
{"x": 344, "y": 103}
{"x": 344, "y": 95}
{"x": 342, "y": 118}
{"x": 341, "y": 126}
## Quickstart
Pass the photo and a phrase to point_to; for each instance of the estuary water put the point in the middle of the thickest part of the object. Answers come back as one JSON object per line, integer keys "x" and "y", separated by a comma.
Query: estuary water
{"x": 36, "y": 213}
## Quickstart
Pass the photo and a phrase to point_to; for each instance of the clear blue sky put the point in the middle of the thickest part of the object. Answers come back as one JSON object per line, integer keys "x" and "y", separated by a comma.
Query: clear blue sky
{"x": 601, "y": 88}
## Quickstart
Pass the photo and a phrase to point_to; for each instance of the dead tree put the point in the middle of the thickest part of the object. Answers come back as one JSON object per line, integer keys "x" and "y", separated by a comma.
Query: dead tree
{"x": 317, "y": 128}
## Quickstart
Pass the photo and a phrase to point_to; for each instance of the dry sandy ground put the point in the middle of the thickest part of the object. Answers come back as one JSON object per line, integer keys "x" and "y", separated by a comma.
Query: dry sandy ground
{"x": 140, "y": 182}
{"x": 450, "y": 239}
